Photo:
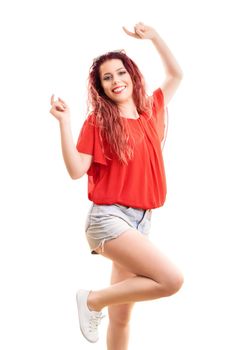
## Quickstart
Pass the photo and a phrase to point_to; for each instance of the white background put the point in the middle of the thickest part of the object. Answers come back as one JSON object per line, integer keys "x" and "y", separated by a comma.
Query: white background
{"x": 47, "y": 47}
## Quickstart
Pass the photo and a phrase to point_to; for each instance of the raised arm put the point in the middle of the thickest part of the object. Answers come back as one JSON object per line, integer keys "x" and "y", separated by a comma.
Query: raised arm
{"x": 77, "y": 163}
{"x": 173, "y": 71}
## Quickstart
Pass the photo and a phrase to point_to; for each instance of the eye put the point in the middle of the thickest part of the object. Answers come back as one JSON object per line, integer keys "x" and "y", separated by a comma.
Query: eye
{"x": 107, "y": 78}
{"x": 122, "y": 72}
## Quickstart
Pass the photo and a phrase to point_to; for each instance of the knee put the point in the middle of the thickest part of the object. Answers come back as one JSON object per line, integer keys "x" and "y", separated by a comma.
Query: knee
{"x": 119, "y": 316}
{"x": 173, "y": 284}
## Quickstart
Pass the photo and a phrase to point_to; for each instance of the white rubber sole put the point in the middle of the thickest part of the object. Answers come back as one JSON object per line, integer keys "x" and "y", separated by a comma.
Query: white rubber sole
{"x": 79, "y": 307}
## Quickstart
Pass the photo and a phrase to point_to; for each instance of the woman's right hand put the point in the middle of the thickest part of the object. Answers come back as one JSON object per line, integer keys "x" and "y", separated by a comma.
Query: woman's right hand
{"x": 60, "y": 109}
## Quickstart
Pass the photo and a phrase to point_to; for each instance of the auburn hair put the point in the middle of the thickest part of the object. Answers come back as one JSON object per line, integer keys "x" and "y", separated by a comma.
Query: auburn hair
{"x": 112, "y": 127}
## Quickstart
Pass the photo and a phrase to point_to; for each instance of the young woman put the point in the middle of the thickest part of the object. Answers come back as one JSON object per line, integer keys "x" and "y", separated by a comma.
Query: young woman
{"x": 119, "y": 147}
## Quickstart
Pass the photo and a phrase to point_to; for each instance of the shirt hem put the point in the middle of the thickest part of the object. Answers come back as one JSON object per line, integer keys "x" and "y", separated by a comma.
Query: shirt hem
{"x": 109, "y": 202}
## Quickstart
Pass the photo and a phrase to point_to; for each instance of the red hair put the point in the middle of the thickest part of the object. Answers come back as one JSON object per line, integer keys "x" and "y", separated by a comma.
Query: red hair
{"x": 113, "y": 127}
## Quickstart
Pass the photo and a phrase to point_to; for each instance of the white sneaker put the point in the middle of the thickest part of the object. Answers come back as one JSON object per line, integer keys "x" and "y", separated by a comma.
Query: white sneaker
{"x": 88, "y": 320}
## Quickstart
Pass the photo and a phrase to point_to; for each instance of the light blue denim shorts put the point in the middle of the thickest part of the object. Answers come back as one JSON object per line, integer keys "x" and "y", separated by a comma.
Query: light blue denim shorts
{"x": 106, "y": 222}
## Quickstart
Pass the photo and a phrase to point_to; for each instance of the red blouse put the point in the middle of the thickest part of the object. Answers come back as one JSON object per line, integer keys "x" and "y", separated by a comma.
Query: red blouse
{"x": 141, "y": 183}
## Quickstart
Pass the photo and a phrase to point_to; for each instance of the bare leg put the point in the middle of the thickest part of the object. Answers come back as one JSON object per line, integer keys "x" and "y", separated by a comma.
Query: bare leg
{"x": 119, "y": 315}
{"x": 156, "y": 276}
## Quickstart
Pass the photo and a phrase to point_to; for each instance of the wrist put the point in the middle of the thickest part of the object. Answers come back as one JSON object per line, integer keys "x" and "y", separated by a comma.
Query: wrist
{"x": 154, "y": 36}
{"x": 64, "y": 122}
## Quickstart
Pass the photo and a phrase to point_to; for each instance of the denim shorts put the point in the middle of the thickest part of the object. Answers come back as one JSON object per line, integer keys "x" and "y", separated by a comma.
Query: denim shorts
{"x": 106, "y": 222}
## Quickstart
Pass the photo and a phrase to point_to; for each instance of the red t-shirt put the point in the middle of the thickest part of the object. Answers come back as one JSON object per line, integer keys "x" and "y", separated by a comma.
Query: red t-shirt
{"x": 141, "y": 183}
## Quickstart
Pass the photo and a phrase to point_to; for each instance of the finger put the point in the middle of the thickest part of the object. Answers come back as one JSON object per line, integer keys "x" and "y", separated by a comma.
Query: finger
{"x": 59, "y": 108}
{"x": 56, "y": 105}
{"x": 61, "y": 100}
{"x": 51, "y": 110}
{"x": 129, "y": 33}
{"x": 138, "y": 32}
{"x": 62, "y": 103}
{"x": 140, "y": 26}
{"x": 52, "y": 100}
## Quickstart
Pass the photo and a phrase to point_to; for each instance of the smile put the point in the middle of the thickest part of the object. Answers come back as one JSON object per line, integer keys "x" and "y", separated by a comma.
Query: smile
{"x": 118, "y": 89}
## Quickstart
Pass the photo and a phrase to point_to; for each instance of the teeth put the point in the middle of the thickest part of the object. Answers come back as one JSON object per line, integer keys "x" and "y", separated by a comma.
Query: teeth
{"x": 119, "y": 89}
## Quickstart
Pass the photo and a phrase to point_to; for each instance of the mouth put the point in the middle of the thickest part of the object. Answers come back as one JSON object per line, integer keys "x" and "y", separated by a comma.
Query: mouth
{"x": 118, "y": 89}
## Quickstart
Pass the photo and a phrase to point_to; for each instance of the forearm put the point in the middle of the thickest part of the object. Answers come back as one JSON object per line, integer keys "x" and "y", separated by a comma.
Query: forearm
{"x": 171, "y": 66}
{"x": 70, "y": 154}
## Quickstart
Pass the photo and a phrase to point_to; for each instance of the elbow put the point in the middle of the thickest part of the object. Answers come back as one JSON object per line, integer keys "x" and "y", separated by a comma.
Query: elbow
{"x": 75, "y": 175}
{"x": 178, "y": 78}
{"x": 179, "y": 75}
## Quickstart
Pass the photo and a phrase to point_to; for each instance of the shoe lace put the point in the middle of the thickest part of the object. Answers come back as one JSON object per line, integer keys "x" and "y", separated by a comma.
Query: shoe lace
{"x": 94, "y": 322}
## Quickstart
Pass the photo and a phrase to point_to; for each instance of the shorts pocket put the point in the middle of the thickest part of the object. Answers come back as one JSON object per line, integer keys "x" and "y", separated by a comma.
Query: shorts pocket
{"x": 129, "y": 211}
{"x": 145, "y": 224}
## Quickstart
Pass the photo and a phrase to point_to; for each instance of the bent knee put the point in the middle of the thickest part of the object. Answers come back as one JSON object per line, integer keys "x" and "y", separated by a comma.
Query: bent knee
{"x": 119, "y": 315}
{"x": 173, "y": 284}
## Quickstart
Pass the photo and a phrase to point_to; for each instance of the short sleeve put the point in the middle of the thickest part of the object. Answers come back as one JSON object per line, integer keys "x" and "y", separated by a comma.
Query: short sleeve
{"x": 86, "y": 139}
{"x": 89, "y": 142}
{"x": 160, "y": 113}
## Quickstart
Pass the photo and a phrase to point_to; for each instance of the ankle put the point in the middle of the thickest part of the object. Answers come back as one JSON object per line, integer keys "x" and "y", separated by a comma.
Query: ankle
{"x": 92, "y": 303}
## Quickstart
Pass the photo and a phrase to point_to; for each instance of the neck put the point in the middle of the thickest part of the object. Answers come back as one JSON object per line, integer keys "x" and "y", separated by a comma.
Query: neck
{"x": 128, "y": 110}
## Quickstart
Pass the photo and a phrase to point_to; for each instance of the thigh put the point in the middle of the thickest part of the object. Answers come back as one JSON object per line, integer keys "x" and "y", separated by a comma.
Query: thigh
{"x": 120, "y": 314}
{"x": 120, "y": 273}
{"x": 140, "y": 256}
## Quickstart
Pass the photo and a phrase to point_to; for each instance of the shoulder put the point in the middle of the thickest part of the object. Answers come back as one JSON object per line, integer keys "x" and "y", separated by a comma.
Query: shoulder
{"x": 91, "y": 119}
{"x": 157, "y": 100}
{"x": 158, "y": 96}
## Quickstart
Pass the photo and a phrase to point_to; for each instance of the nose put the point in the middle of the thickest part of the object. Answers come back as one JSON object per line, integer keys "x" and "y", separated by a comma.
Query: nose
{"x": 115, "y": 80}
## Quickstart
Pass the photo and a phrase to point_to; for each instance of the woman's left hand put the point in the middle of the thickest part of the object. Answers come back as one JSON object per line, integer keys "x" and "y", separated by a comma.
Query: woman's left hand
{"x": 141, "y": 31}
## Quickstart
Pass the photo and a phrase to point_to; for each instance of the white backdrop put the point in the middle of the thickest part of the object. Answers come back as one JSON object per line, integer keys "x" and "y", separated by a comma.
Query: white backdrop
{"x": 47, "y": 47}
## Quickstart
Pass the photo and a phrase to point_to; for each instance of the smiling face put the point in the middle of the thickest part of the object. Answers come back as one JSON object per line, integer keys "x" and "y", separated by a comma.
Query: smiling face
{"x": 116, "y": 81}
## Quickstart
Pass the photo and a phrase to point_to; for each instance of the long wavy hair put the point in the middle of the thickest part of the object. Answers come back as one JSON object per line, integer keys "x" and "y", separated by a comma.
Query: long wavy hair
{"x": 112, "y": 127}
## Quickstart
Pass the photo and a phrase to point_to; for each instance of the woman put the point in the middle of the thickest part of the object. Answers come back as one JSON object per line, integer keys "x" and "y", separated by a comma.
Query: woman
{"x": 119, "y": 147}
